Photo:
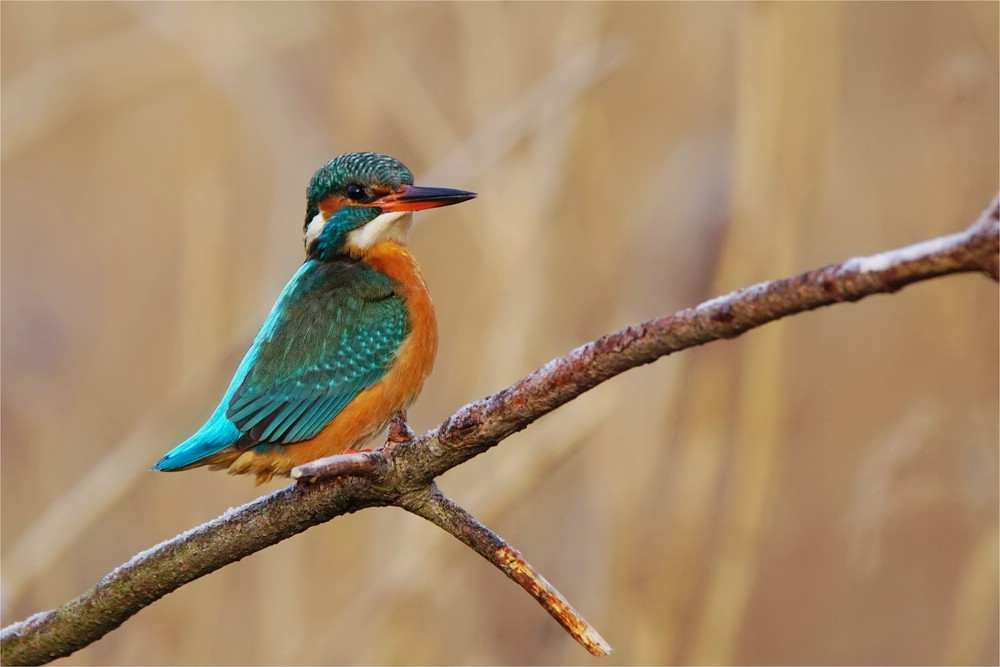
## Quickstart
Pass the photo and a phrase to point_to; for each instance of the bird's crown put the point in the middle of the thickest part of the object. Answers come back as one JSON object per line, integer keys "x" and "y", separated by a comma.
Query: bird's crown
{"x": 359, "y": 177}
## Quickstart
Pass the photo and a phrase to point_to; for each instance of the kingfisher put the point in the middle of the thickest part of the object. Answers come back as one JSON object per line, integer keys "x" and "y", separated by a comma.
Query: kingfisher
{"x": 350, "y": 340}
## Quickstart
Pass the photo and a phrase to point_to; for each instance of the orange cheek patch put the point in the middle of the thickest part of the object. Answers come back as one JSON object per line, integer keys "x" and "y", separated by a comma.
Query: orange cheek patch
{"x": 331, "y": 205}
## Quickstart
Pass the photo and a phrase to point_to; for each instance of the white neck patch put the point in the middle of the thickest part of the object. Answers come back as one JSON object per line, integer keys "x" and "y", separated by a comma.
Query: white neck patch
{"x": 314, "y": 229}
{"x": 391, "y": 226}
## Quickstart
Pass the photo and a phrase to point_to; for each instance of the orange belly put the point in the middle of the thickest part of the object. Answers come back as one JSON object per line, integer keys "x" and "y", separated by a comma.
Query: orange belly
{"x": 364, "y": 418}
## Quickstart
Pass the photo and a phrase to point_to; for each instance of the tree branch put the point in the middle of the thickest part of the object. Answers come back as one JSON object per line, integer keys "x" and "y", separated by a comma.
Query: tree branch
{"x": 399, "y": 470}
{"x": 432, "y": 505}
{"x": 484, "y": 423}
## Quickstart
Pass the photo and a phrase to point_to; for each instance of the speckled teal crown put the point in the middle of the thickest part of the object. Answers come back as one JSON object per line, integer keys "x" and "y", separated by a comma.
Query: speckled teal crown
{"x": 360, "y": 168}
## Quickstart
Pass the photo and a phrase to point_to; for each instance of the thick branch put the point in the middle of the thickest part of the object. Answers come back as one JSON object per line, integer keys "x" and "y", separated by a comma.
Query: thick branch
{"x": 150, "y": 575}
{"x": 481, "y": 425}
{"x": 405, "y": 468}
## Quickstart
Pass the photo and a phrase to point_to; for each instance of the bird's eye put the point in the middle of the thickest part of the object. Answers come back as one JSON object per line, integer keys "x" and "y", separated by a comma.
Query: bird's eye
{"x": 355, "y": 192}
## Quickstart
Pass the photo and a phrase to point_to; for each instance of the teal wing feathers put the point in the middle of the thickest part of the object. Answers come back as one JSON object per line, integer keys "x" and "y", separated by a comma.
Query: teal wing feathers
{"x": 335, "y": 334}
{"x": 334, "y": 331}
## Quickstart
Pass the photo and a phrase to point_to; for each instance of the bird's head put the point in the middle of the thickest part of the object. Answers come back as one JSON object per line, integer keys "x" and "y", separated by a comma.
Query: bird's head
{"x": 358, "y": 200}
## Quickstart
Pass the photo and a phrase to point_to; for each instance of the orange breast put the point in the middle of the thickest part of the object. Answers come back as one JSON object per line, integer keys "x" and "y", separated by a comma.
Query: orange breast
{"x": 367, "y": 415}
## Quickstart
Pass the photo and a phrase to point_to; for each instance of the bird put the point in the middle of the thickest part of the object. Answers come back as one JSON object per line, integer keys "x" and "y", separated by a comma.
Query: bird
{"x": 350, "y": 340}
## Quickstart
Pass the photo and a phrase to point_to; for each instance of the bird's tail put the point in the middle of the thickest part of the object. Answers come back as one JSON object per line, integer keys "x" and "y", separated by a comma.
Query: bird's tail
{"x": 213, "y": 437}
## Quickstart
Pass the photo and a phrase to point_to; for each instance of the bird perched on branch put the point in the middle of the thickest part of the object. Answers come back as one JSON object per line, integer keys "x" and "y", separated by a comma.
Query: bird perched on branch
{"x": 348, "y": 343}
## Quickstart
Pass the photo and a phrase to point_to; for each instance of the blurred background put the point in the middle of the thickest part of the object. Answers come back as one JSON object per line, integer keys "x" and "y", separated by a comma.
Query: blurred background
{"x": 821, "y": 490}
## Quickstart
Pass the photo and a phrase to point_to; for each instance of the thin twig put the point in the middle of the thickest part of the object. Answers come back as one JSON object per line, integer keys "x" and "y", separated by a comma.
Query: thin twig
{"x": 432, "y": 505}
{"x": 412, "y": 466}
{"x": 352, "y": 464}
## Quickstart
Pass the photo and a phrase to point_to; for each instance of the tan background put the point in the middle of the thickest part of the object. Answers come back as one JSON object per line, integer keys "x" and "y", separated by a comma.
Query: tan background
{"x": 822, "y": 490}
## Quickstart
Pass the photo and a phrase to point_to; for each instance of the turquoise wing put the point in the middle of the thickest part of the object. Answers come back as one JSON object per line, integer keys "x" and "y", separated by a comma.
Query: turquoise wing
{"x": 333, "y": 335}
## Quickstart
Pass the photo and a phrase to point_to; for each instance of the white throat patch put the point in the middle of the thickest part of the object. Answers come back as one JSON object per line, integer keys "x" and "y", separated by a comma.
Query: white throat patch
{"x": 391, "y": 226}
{"x": 314, "y": 229}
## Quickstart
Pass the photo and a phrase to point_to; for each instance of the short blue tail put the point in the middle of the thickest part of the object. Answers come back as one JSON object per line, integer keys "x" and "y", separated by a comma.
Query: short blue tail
{"x": 217, "y": 434}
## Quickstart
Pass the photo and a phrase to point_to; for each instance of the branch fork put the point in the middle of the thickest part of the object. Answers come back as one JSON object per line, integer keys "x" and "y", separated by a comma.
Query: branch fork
{"x": 429, "y": 503}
